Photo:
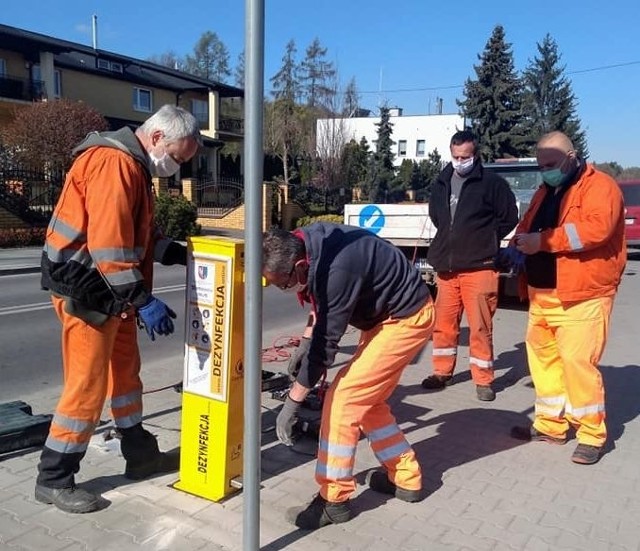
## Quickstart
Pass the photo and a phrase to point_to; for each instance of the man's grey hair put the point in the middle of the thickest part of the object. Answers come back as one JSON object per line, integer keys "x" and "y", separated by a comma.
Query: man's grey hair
{"x": 281, "y": 250}
{"x": 174, "y": 122}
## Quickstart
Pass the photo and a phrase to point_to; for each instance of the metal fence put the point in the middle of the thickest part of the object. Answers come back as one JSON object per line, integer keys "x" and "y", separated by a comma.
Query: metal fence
{"x": 30, "y": 194}
{"x": 216, "y": 198}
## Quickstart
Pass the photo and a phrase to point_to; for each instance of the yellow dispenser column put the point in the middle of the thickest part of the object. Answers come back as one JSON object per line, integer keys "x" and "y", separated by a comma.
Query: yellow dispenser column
{"x": 212, "y": 398}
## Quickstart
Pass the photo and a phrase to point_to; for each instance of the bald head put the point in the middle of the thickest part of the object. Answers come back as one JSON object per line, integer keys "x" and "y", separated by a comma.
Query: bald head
{"x": 557, "y": 158}
{"x": 555, "y": 140}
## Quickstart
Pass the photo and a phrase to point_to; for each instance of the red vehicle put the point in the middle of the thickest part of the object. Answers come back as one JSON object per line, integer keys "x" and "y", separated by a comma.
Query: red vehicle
{"x": 631, "y": 191}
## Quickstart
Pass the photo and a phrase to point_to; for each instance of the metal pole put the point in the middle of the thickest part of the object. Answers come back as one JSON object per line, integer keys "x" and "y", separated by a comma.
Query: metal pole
{"x": 253, "y": 85}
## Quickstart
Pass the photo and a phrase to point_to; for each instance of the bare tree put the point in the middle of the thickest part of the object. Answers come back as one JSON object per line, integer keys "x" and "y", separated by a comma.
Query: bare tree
{"x": 168, "y": 59}
{"x": 43, "y": 134}
{"x": 238, "y": 72}
{"x": 331, "y": 138}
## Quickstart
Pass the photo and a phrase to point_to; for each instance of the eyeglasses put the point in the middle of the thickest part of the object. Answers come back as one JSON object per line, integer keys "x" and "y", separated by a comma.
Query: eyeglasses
{"x": 288, "y": 284}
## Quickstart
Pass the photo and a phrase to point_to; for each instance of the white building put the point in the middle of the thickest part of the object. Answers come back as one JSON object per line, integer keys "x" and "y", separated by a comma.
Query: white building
{"x": 415, "y": 136}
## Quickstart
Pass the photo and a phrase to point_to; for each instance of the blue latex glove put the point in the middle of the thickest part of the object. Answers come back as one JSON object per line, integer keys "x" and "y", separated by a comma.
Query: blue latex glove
{"x": 156, "y": 317}
{"x": 513, "y": 259}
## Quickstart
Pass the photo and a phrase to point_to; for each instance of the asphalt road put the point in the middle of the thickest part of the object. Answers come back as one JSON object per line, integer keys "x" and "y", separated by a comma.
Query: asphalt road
{"x": 30, "y": 363}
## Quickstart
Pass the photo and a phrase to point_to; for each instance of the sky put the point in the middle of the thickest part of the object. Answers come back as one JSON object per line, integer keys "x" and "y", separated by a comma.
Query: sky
{"x": 407, "y": 54}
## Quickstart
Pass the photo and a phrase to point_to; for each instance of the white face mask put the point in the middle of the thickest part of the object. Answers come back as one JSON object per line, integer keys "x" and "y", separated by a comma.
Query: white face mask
{"x": 463, "y": 167}
{"x": 163, "y": 166}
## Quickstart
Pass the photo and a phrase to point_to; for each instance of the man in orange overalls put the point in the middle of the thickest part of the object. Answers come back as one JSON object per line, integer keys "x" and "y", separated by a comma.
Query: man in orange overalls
{"x": 352, "y": 277}
{"x": 98, "y": 264}
{"x": 472, "y": 211}
{"x": 573, "y": 236}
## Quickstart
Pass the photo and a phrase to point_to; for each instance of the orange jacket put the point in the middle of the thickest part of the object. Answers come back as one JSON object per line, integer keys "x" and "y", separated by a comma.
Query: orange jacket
{"x": 101, "y": 241}
{"x": 589, "y": 241}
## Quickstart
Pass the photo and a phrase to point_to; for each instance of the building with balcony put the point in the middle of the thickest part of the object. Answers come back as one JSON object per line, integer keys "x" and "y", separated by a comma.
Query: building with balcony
{"x": 126, "y": 91}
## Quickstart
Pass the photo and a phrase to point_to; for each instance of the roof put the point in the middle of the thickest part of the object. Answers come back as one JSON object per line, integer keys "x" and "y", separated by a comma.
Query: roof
{"x": 83, "y": 58}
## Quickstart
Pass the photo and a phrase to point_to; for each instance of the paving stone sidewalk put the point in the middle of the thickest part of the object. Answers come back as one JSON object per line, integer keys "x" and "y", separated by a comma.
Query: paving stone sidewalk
{"x": 487, "y": 491}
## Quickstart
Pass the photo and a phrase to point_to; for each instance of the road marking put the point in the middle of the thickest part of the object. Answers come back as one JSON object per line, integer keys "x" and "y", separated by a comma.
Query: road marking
{"x": 34, "y": 307}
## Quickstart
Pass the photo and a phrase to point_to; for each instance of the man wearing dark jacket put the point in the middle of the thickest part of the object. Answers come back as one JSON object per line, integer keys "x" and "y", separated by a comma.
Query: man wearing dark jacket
{"x": 352, "y": 277}
{"x": 472, "y": 211}
{"x": 98, "y": 265}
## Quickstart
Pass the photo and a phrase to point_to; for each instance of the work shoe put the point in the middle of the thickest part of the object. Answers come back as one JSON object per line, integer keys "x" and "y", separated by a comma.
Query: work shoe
{"x": 70, "y": 500}
{"x": 530, "y": 434}
{"x": 158, "y": 464}
{"x": 378, "y": 481}
{"x": 434, "y": 382}
{"x": 485, "y": 393}
{"x": 319, "y": 513}
{"x": 584, "y": 454}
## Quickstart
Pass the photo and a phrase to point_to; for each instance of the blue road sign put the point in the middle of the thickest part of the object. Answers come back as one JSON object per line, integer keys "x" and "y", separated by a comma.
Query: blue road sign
{"x": 371, "y": 218}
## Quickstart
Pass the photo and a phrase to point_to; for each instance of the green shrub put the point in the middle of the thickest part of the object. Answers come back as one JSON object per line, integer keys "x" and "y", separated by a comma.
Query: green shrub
{"x": 306, "y": 220}
{"x": 22, "y": 237}
{"x": 176, "y": 216}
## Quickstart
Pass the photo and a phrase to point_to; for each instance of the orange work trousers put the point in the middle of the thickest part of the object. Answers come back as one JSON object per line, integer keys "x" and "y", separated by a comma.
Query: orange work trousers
{"x": 97, "y": 362}
{"x": 356, "y": 401}
{"x": 564, "y": 345}
{"x": 476, "y": 293}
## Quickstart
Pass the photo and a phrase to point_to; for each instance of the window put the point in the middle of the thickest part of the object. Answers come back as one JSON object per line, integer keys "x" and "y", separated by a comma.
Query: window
{"x": 36, "y": 75}
{"x": 142, "y": 100}
{"x": 3, "y": 67}
{"x": 420, "y": 148}
{"x": 402, "y": 148}
{"x": 200, "y": 110}
{"x": 109, "y": 65}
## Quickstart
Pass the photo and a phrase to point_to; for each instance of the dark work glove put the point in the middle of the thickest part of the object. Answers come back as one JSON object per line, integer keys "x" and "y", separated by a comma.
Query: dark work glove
{"x": 156, "y": 317}
{"x": 176, "y": 253}
{"x": 512, "y": 259}
{"x": 286, "y": 419}
{"x": 296, "y": 358}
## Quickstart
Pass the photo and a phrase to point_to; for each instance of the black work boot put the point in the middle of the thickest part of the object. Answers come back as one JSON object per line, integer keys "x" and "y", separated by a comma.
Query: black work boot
{"x": 140, "y": 449}
{"x": 70, "y": 500}
{"x": 378, "y": 481}
{"x": 319, "y": 513}
{"x": 437, "y": 382}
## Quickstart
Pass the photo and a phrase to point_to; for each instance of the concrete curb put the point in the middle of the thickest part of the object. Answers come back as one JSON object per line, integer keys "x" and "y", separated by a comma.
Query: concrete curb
{"x": 18, "y": 270}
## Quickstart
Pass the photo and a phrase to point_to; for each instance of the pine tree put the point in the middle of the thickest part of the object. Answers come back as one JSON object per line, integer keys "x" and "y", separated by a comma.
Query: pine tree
{"x": 381, "y": 171}
{"x": 317, "y": 76}
{"x": 282, "y": 120}
{"x": 210, "y": 58}
{"x": 548, "y": 98}
{"x": 286, "y": 83}
{"x": 493, "y": 102}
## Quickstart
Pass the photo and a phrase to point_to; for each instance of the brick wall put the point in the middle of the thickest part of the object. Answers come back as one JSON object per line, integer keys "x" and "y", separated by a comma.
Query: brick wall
{"x": 235, "y": 220}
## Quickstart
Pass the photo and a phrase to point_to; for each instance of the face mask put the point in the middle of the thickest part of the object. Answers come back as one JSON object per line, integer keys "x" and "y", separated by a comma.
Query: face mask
{"x": 553, "y": 177}
{"x": 463, "y": 167}
{"x": 556, "y": 178}
{"x": 163, "y": 166}
{"x": 297, "y": 288}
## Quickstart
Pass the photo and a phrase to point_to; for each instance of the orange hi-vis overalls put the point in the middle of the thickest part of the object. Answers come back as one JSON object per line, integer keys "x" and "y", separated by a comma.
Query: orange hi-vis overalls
{"x": 101, "y": 231}
{"x": 97, "y": 362}
{"x": 564, "y": 345}
{"x": 476, "y": 293}
{"x": 568, "y": 326}
{"x": 356, "y": 402}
